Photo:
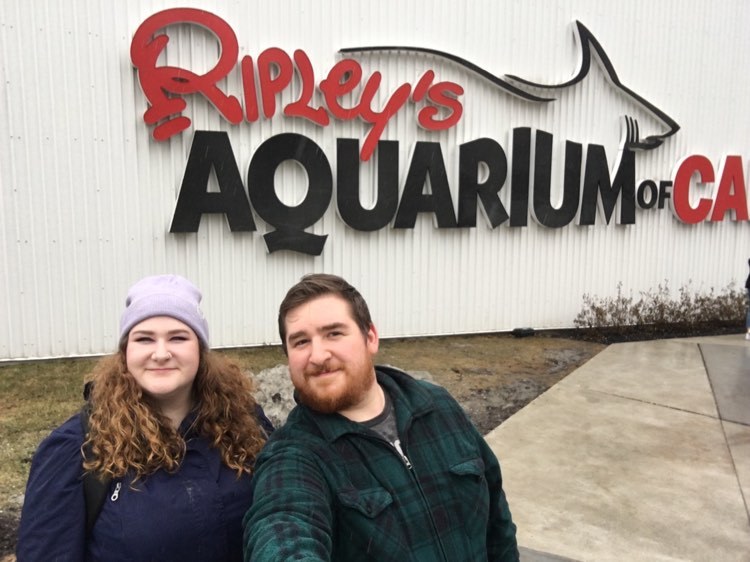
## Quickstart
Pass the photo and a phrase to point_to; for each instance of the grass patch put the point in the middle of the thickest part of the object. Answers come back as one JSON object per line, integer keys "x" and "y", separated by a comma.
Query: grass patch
{"x": 35, "y": 397}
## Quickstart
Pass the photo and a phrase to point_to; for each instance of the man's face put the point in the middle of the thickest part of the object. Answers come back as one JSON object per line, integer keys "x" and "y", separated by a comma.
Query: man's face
{"x": 330, "y": 359}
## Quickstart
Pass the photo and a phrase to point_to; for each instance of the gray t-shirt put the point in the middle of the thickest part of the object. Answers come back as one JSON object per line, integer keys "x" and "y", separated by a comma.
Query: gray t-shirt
{"x": 384, "y": 424}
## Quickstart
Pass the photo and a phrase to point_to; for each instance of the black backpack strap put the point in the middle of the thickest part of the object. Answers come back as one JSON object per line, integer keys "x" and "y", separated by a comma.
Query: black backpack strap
{"x": 265, "y": 424}
{"x": 94, "y": 488}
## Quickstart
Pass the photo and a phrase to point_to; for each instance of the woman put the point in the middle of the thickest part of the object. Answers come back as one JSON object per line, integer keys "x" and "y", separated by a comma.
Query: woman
{"x": 173, "y": 428}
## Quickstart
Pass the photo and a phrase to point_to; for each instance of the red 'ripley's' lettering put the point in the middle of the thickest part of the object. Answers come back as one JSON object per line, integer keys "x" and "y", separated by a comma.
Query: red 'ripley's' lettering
{"x": 163, "y": 86}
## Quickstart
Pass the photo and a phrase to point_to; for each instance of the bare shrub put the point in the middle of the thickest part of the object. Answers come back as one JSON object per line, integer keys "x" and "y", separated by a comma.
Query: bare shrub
{"x": 657, "y": 310}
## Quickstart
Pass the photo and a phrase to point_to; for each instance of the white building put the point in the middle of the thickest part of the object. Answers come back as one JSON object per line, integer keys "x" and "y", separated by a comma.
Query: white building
{"x": 483, "y": 208}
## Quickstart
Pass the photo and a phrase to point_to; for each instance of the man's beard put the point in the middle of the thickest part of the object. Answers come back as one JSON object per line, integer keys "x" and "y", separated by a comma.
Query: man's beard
{"x": 327, "y": 401}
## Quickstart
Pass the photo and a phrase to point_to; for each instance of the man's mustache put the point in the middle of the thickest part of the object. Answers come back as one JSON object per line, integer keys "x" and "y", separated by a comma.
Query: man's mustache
{"x": 324, "y": 368}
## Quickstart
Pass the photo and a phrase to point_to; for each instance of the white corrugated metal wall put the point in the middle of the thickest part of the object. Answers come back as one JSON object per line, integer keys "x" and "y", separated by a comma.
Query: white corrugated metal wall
{"x": 87, "y": 196}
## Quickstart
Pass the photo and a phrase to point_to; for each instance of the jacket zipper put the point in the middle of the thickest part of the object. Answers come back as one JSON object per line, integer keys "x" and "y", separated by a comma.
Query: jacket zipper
{"x": 116, "y": 494}
{"x": 397, "y": 447}
{"x": 424, "y": 498}
{"x": 407, "y": 463}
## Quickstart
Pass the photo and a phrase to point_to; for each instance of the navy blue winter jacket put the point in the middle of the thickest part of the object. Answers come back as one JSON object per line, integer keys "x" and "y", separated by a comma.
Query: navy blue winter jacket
{"x": 194, "y": 514}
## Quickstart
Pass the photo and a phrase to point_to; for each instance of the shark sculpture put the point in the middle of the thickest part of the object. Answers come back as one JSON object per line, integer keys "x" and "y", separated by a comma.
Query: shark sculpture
{"x": 590, "y": 49}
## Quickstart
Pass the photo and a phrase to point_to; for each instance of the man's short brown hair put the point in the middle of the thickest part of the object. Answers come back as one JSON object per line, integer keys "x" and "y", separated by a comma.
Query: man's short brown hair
{"x": 317, "y": 285}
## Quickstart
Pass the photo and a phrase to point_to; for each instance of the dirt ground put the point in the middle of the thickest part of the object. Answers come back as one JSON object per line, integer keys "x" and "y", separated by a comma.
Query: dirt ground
{"x": 491, "y": 376}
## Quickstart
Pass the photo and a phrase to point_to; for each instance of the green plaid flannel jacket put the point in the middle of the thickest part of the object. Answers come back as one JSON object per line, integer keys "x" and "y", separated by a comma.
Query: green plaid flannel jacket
{"x": 327, "y": 488}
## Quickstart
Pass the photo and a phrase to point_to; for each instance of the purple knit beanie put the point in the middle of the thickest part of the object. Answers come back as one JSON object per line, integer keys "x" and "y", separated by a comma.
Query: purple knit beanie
{"x": 164, "y": 295}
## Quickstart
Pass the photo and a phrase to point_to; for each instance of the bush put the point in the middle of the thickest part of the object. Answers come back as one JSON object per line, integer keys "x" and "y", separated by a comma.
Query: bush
{"x": 655, "y": 313}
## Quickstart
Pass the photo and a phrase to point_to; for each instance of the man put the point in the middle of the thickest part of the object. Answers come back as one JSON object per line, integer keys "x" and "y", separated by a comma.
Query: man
{"x": 371, "y": 464}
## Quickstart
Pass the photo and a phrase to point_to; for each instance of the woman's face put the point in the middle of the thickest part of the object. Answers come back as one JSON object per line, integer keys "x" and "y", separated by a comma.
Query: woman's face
{"x": 163, "y": 354}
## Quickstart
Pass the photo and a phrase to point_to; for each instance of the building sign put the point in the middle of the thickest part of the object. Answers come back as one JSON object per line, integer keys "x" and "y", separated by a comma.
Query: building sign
{"x": 587, "y": 184}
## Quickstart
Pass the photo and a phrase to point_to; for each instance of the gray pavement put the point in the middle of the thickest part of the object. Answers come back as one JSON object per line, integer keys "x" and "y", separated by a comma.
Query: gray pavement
{"x": 643, "y": 453}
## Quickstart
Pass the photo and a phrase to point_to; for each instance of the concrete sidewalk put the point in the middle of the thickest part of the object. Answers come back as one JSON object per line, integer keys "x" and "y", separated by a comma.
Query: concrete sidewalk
{"x": 643, "y": 453}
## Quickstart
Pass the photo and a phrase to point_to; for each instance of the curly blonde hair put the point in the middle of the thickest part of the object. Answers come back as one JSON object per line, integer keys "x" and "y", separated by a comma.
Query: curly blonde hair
{"x": 127, "y": 433}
